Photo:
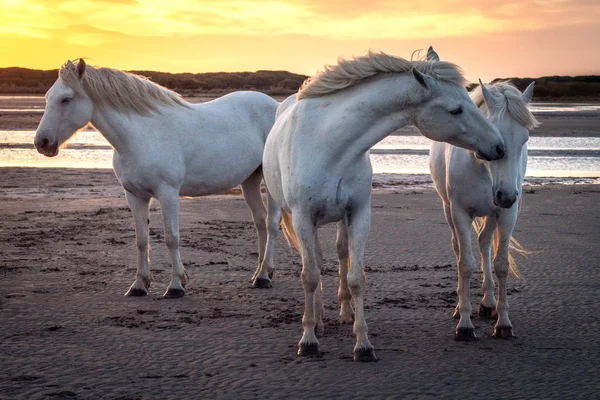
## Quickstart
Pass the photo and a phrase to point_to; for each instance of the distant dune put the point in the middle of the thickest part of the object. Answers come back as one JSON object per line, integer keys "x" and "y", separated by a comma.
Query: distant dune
{"x": 17, "y": 80}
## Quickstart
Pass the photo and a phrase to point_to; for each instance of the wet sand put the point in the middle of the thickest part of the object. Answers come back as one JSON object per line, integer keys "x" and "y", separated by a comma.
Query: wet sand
{"x": 67, "y": 255}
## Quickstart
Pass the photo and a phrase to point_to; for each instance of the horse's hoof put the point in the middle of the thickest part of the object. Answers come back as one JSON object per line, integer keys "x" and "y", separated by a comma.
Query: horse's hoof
{"x": 308, "y": 349}
{"x": 465, "y": 335}
{"x": 136, "y": 292}
{"x": 174, "y": 293}
{"x": 346, "y": 319}
{"x": 487, "y": 312}
{"x": 503, "y": 332}
{"x": 261, "y": 283}
{"x": 365, "y": 355}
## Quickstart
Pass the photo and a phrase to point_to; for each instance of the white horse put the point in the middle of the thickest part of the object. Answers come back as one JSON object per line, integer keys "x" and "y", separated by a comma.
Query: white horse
{"x": 486, "y": 194}
{"x": 316, "y": 163}
{"x": 164, "y": 147}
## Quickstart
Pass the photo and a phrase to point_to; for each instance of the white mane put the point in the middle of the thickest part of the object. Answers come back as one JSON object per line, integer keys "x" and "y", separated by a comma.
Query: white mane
{"x": 121, "y": 90}
{"x": 509, "y": 99}
{"x": 350, "y": 72}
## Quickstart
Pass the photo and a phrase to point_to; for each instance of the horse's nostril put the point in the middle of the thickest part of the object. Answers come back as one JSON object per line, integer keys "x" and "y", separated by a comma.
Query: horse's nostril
{"x": 500, "y": 150}
{"x": 44, "y": 143}
{"x": 499, "y": 195}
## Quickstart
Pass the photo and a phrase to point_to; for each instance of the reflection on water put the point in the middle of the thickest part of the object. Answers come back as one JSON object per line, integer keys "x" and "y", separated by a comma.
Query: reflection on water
{"x": 534, "y": 143}
{"x": 89, "y": 150}
{"x": 563, "y": 108}
{"x": 573, "y": 167}
{"x": 23, "y": 110}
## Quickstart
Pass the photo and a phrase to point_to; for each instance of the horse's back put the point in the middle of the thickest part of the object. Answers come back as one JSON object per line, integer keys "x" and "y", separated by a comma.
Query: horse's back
{"x": 287, "y": 103}
{"x": 252, "y": 109}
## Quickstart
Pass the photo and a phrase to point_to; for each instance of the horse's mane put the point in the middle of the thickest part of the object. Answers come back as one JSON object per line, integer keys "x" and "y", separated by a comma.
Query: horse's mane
{"x": 509, "y": 99}
{"x": 121, "y": 90}
{"x": 348, "y": 73}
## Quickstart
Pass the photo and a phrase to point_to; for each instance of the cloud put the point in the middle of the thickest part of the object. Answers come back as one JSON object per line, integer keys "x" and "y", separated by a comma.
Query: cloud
{"x": 298, "y": 35}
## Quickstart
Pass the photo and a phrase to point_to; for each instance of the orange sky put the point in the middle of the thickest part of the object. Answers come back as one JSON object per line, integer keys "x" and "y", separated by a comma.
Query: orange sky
{"x": 488, "y": 38}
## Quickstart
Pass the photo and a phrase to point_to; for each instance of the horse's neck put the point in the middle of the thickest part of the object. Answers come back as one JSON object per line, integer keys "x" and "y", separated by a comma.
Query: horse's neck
{"x": 119, "y": 129}
{"x": 375, "y": 109}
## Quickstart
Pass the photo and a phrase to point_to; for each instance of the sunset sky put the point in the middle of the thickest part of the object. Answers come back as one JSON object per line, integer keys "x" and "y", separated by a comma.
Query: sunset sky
{"x": 488, "y": 38}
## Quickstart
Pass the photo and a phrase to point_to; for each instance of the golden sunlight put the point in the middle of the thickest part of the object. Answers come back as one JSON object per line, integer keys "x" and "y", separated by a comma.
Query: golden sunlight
{"x": 488, "y": 39}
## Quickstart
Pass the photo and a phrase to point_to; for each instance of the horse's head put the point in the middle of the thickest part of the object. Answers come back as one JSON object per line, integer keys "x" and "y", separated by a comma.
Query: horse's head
{"x": 507, "y": 109}
{"x": 68, "y": 109}
{"x": 447, "y": 114}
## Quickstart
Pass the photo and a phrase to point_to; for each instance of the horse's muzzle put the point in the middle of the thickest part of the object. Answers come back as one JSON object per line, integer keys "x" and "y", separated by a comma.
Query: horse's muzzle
{"x": 503, "y": 200}
{"x": 495, "y": 153}
{"x": 46, "y": 146}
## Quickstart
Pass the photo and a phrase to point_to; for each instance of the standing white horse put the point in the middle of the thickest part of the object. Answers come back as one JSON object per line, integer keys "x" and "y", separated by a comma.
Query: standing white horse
{"x": 164, "y": 147}
{"x": 317, "y": 168}
{"x": 486, "y": 194}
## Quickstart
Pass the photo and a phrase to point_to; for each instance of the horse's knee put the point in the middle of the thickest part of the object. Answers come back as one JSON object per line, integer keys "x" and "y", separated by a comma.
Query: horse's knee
{"x": 466, "y": 268}
{"x": 172, "y": 240}
{"x": 310, "y": 280}
{"x": 501, "y": 268}
{"x": 356, "y": 282}
{"x": 142, "y": 242}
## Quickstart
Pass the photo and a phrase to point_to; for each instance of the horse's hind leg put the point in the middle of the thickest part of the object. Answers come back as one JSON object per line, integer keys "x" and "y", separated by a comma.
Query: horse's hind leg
{"x": 466, "y": 265}
{"x": 139, "y": 208}
{"x": 346, "y": 314}
{"x": 506, "y": 224}
{"x": 253, "y": 197}
{"x": 488, "y": 303}
{"x": 319, "y": 311}
{"x": 169, "y": 201}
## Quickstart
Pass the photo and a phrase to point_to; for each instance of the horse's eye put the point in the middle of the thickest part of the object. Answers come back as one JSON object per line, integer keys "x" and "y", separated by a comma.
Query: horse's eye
{"x": 457, "y": 111}
{"x": 66, "y": 100}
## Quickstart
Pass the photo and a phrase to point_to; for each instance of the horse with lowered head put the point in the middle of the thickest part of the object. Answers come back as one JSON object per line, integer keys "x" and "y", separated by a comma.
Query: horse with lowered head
{"x": 486, "y": 195}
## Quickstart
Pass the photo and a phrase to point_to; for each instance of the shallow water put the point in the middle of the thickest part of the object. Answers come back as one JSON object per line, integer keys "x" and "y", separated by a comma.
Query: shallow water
{"x": 89, "y": 149}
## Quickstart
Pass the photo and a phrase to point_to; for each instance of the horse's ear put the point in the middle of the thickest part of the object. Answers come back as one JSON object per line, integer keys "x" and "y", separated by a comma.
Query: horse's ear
{"x": 432, "y": 55}
{"x": 420, "y": 77}
{"x": 487, "y": 96}
{"x": 528, "y": 93}
{"x": 81, "y": 68}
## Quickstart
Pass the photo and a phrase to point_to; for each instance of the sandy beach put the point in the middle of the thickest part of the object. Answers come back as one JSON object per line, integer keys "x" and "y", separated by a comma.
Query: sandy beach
{"x": 67, "y": 256}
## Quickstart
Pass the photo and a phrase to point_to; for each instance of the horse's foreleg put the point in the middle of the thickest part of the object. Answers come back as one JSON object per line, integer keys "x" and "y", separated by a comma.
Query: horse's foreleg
{"x": 466, "y": 265}
{"x": 488, "y": 302}
{"x": 253, "y": 198}
{"x": 506, "y": 224}
{"x": 346, "y": 314}
{"x": 448, "y": 216}
{"x": 305, "y": 230}
{"x": 169, "y": 203}
{"x": 264, "y": 272}
{"x": 139, "y": 208}
{"x": 358, "y": 232}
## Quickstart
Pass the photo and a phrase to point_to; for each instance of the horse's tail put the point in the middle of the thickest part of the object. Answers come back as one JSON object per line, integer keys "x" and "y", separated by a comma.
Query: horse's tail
{"x": 513, "y": 247}
{"x": 288, "y": 229}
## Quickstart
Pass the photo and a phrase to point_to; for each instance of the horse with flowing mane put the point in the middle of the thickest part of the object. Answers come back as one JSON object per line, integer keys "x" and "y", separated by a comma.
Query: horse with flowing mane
{"x": 486, "y": 195}
{"x": 164, "y": 147}
{"x": 317, "y": 169}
